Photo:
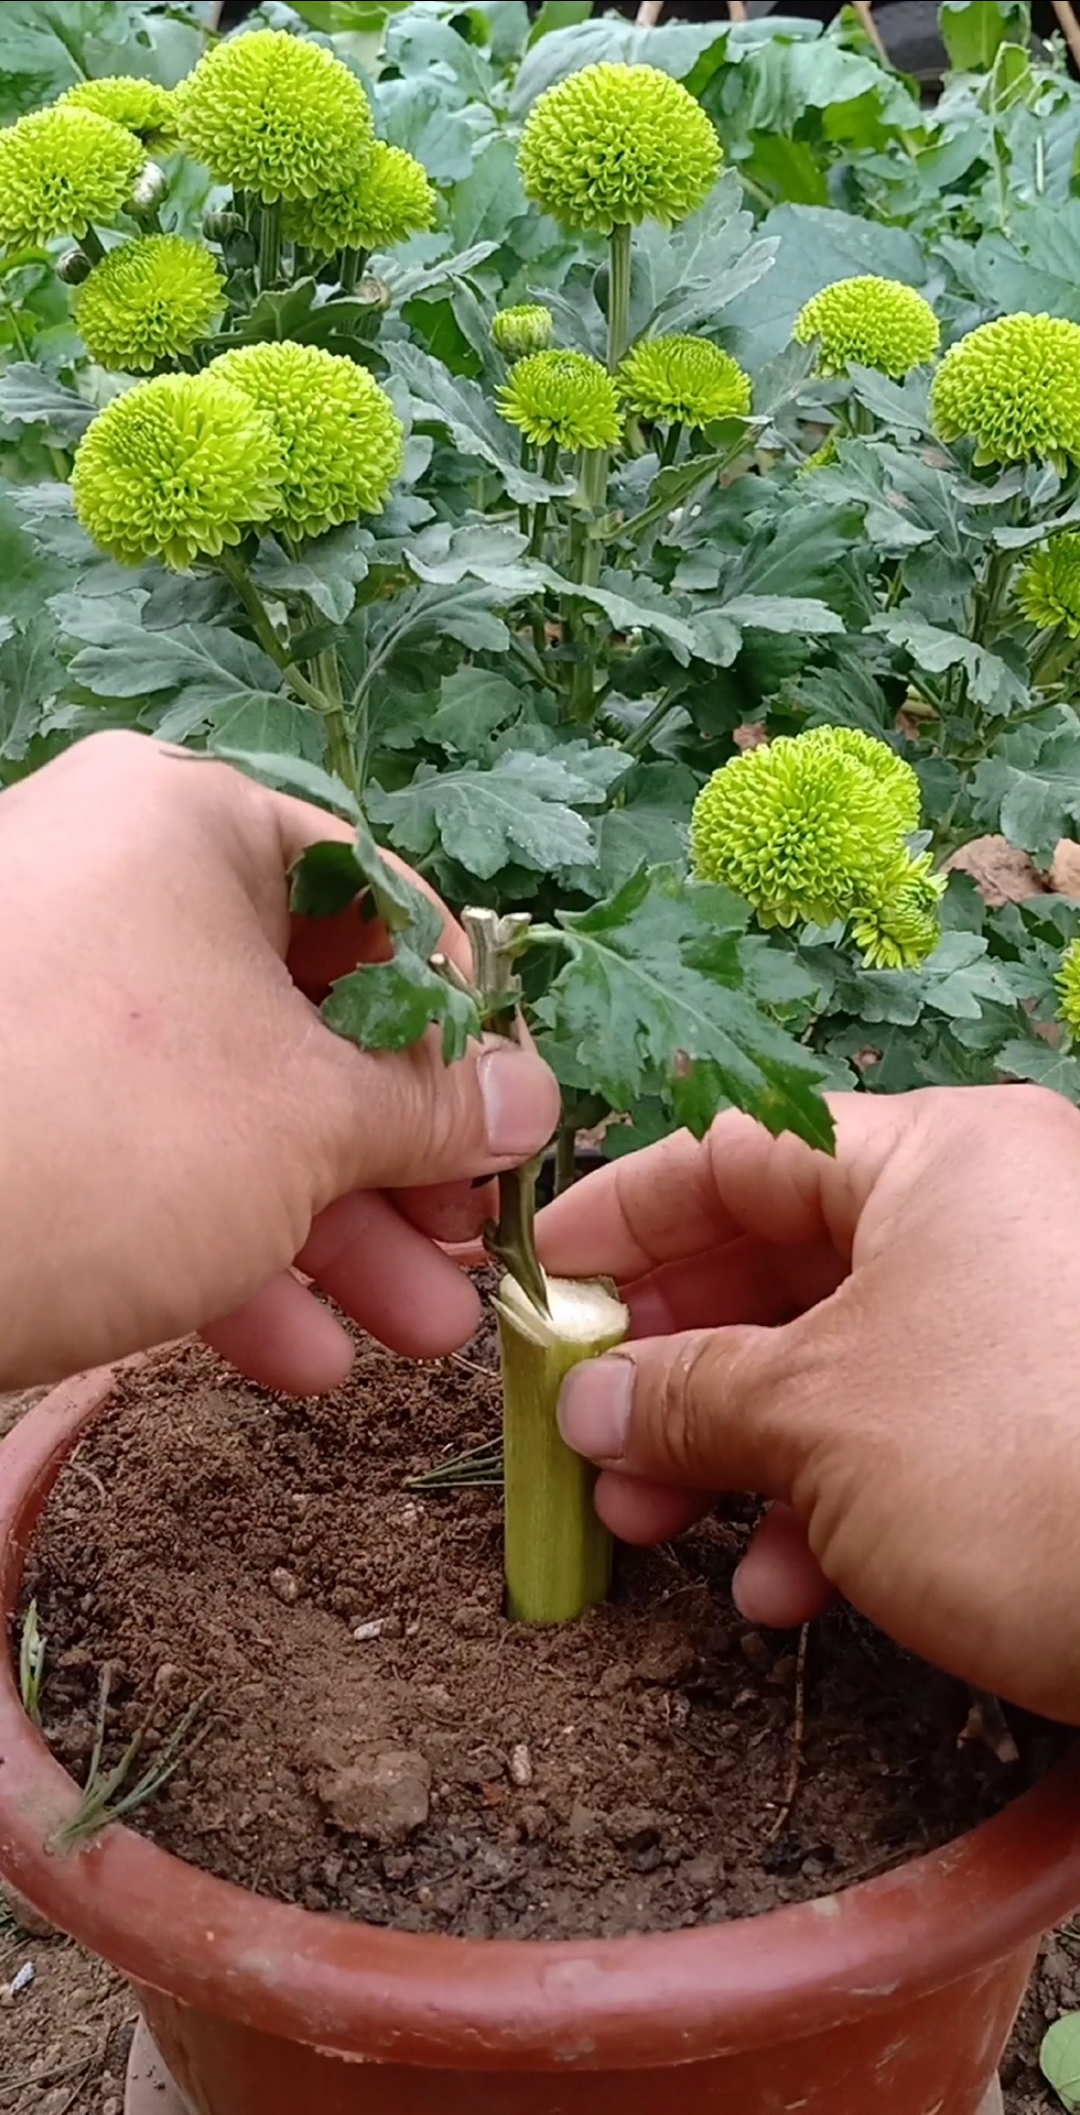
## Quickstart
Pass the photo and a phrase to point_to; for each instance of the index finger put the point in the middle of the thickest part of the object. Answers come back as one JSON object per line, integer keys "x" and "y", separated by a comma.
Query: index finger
{"x": 678, "y": 1198}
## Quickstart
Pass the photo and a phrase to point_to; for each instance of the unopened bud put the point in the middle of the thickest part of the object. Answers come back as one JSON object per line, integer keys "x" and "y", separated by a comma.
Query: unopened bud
{"x": 149, "y": 189}
{"x": 517, "y": 332}
{"x": 73, "y": 267}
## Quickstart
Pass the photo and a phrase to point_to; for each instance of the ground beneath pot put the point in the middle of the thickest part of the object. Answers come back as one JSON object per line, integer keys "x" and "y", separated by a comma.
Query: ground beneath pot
{"x": 376, "y": 1740}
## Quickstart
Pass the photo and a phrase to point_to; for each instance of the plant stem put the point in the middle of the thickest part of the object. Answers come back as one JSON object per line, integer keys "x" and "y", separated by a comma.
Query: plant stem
{"x": 237, "y": 574}
{"x": 93, "y": 246}
{"x": 618, "y": 293}
{"x": 352, "y": 265}
{"x": 558, "y": 1556}
{"x": 585, "y": 568}
{"x": 565, "y": 1159}
{"x": 636, "y": 744}
{"x": 269, "y": 243}
{"x": 670, "y": 448}
{"x": 549, "y": 463}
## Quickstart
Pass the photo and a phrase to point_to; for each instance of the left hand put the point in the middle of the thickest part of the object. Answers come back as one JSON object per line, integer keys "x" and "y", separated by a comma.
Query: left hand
{"x": 177, "y": 1127}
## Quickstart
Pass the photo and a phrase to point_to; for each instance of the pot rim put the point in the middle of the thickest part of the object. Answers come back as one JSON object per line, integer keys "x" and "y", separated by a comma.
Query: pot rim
{"x": 355, "y": 1989}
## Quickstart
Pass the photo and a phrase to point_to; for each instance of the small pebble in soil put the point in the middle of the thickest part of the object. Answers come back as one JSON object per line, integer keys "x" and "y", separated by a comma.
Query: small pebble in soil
{"x": 383, "y": 1798}
{"x": 284, "y": 1586}
{"x": 521, "y": 1769}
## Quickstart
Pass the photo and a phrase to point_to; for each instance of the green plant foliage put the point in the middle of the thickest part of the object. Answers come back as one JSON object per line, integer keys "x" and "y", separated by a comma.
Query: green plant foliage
{"x": 501, "y": 510}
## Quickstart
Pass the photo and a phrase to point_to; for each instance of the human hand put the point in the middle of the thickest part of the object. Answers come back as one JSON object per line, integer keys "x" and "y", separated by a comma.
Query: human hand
{"x": 176, "y": 1125}
{"x": 885, "y": 1344}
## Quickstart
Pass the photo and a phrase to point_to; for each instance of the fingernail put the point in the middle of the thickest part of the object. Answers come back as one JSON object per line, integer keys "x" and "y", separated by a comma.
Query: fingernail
{"x": 594, "y": 1408}
{"x": 520, "y": 1101}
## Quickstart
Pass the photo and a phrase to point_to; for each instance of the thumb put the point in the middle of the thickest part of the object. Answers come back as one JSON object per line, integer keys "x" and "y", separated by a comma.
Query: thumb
{"x": 708, "y": 1410}
{"x": 406, "y": 1119}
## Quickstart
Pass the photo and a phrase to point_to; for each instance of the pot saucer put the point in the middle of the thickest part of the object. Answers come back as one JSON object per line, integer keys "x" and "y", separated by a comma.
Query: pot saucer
{"x": 150, "y": 2090}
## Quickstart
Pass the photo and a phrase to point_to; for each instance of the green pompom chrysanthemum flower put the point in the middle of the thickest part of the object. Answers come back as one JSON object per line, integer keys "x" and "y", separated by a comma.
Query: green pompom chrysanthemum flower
{"x": 683, "y": 381}
{"x": 1013, "y": 387}
{"x": 614, "y": 145}
{"x": 801, "y": 827}
{"x": 176, "y": 468}
{"x": 1067, "y": 980}
{"x": 528, "y": 328}
{"x": 341, "y": 438}
{"x": 272, "y": 114}
{"x": 1048, "y": 589}
{"x": 904, "y": 926}
{"x": 390, "y": 201}
{"x": 141, "y": 107}
{"x": 149, "y": 301}
{"x": 869, "y": 322}
{"x": 565, "y": 397}
{"x": 892, "y": 773}
{"x": 63, "y": 171}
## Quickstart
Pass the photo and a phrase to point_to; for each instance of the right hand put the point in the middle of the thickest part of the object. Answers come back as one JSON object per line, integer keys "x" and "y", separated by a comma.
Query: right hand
{"x": 886, "y": 1344}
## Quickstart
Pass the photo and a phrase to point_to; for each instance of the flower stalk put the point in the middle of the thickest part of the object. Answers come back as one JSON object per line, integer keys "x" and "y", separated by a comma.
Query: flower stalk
{"x": 619, "y": 253}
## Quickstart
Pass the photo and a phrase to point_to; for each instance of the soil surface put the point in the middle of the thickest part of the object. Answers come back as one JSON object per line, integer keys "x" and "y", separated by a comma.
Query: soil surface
{"x": 376, "y": 1740}
{"x": 75, "y": 2013}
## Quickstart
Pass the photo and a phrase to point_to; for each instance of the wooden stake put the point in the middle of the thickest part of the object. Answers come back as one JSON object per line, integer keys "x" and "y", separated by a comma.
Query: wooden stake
{"x": 649, "y": 13}
{"x": 737, "y": 10}
{"x": 798, "y": 1733}
{"x": 1070, "y": 27}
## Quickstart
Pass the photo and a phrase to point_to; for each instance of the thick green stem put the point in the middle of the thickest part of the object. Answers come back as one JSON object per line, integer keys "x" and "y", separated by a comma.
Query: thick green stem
{"x": 1054, "y": 652}
{"x": 585, "y": 567}
{"x": 352, "y": 265}
{"x": 549, "y": 463}
{"x": 558, "y": 1556}
{"x": 618, "y": 293}
{"x": 91, "y": 244}
{"x": 237, "y": 574}
{"x": 670, "y": 448}
{"x": 269, "y": 243}
{"x": 636, "y": 743}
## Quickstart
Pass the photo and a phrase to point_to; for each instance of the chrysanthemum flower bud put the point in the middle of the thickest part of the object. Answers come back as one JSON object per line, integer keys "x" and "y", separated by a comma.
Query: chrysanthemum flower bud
{"x": 63, "y": 171}
{"x": 341, "y": 439}
{"x": 1067, "y": 980}
{"x": 526, "y": 329}
{"x": 1048, "y": 589}
{"x": 176, "y": 468}
{"x": 390, "y": 201}
{"x": 149, "y": 301}
{"x": 1013, "y": 387}
{"x": 683, "y": 381}
{"x": 142, "y": 107}
{"x": 614, "y": 145}
{"x": 273, "y": 114}
{"x": 562, "y": 396}
{"x": 869, "y": 322}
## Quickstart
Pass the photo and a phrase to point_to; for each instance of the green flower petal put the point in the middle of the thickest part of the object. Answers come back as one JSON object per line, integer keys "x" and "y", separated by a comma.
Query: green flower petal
{"x": 1068, "y": 984}
{"x": 1013, "y": 387}
{"x": 683, "y": 381}
{"x": 1048, "y": 589}
{"x": 613, "y": 145}
{"x": 806, "y": 827}
{"x": 149, "y": 301}
{"x": 272, "y": 114}
{"x": 176, "y": 469}
{"x": 391, "y": 200}
{"x": 869, "y": 322}
{"x": 142, "y": 107}
{"x": 61, "y": 172}
{"x": 562, "y": 396}
{"x": 339, "y": 434}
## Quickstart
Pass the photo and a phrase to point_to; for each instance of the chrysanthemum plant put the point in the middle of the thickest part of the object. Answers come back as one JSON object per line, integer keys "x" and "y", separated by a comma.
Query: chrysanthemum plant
{"x": 478, "y": 503}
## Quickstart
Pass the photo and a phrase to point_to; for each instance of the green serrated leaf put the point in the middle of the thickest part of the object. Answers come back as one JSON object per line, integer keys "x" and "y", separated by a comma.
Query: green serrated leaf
{"x": 29, "y": 397}
{"x": 390, "y": 1005}
{"x": 990, "y": 678}
{"x": 326, "y": 879}
{"x": 469, "y": 417}
{"x": 293, "y": 774}
{"x": 651, "y": 1001}
{"x": 523, "y": 809}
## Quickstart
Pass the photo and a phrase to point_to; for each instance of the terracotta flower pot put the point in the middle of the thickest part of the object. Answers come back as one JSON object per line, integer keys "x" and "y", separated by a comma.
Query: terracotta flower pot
{"x": 896, "y": 1995}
